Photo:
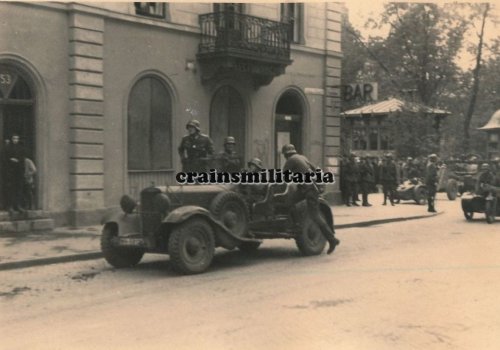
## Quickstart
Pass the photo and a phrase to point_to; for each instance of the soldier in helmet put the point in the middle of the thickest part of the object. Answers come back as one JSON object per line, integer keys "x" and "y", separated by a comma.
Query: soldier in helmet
{"x": 254, "y": 192}
{"x": 255, "y": 165}
{"x": 231, "y": 162}
{"x": 486, "y": 177}
{"x": 194, "y": 148}
{"x": 298, "y": 163}
{"x": 431, "y": 182}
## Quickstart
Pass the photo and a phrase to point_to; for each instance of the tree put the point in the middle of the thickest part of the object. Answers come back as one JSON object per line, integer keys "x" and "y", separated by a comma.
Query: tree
{"x": 484, "y": 8}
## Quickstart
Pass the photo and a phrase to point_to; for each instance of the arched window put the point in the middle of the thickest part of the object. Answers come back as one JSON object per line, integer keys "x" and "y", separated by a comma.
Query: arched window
{"x": 149, "y": 126}
{"x": 227, "y": 118}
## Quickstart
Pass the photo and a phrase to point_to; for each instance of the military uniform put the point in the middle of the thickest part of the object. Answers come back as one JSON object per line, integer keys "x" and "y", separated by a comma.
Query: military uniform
{"x": 351, "y": 176}
{"x": 367, "y": 179}
{"x": 389, "y": 180}
{"x": 230, "y": 161}
{"x": 431, "y": 179}
{"x": 194, "y": 149}
{"x": 298, "y": 163}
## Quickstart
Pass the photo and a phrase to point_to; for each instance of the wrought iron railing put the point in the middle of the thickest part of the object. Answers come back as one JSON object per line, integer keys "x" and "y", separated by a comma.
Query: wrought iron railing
{"x": 230, "y": 31}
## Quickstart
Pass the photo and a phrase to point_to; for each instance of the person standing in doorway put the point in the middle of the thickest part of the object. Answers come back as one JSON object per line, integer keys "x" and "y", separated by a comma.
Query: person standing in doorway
{"x": 14, "y": 175}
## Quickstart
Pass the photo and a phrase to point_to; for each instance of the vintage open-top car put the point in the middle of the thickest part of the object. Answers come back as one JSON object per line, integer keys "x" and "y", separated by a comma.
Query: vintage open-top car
{"x": 188, "y": 222}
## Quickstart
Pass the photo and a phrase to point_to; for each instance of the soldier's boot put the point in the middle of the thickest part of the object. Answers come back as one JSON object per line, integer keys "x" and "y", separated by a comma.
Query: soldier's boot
{"x": 430, "y": 206}
{"x": 333, "y": 242}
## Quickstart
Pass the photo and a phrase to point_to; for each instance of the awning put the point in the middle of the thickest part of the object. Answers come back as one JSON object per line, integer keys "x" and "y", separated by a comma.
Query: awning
{"x": 393, "y": 105}
{"x": 494, "y": 122}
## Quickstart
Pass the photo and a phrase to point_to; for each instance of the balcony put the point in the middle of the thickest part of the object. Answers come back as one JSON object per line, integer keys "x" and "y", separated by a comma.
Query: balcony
{"x": 234, "y": 44}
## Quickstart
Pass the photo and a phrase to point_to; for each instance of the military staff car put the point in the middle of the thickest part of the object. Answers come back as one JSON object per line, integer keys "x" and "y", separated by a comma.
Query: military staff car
{"x": 188, "y": 222}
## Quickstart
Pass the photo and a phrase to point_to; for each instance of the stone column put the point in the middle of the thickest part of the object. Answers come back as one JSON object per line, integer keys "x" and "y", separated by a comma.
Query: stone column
{"x": 86, "y": 141}
{"x": 332, "y": 88}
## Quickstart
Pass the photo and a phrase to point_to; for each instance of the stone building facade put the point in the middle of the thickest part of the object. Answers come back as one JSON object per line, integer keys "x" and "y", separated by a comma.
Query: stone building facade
{"x": 101, "y": 92}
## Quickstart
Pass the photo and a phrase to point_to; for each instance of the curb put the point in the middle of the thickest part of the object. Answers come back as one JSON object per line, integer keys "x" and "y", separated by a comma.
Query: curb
{"x": 98, "y": 255}
{"x": 49, "y": 261}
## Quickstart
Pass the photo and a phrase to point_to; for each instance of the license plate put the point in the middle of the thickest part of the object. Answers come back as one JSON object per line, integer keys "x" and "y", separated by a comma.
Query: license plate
{"x": 130, "y": 242}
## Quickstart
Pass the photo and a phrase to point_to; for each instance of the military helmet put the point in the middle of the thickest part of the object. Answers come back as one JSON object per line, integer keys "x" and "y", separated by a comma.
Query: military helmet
{"x": 433, "y": 156}
{"x": 255, "y": 161}
{"x": 485, "y": 166}
{"x": 194, "y": 123}
{"x": 288, "y": 149}
{"x": 388, "y": 155}
{"x": 229, "y": 140}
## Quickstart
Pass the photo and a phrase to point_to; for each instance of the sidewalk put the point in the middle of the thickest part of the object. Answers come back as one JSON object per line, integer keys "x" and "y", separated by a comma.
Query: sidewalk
{"x": 71, "y": 244}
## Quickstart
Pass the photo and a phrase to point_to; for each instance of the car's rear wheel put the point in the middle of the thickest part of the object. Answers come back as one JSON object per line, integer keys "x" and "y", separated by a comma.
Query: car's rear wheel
{"x": 420, "y": 195}
{"x": 452, "y": 189}
{"x": 191, "y": 246}
{"x": 310, "y": 241}
{"x": 230, "y": 209}
{"x": 118, "y": 256}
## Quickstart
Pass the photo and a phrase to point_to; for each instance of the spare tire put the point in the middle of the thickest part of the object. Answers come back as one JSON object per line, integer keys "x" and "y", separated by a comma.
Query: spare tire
{"x": 231, "y": 210}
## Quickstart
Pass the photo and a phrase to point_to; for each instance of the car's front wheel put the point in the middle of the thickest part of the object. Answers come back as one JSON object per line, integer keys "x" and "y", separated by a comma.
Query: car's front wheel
{"x": 118, "y": 256}
{"x": 310, "y": 241}
{"x": 191, "y": 246}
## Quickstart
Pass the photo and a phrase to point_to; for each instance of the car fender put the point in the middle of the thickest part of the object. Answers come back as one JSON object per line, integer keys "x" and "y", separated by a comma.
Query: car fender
{"x": 128, "y": 224}
{"x": 223, "y": 236}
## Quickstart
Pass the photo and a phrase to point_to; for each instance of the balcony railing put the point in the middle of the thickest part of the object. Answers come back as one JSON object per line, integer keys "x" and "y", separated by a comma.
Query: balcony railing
{"x": 248, "y": 36}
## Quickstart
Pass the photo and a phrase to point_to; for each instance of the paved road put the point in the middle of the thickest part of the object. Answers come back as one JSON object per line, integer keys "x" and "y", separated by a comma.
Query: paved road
{"x": 426, "y": 284}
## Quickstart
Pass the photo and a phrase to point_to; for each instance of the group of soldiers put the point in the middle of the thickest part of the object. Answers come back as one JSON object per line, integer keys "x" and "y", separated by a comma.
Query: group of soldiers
{"x": 197, "y": 153}
{"x": 363, "y": 174}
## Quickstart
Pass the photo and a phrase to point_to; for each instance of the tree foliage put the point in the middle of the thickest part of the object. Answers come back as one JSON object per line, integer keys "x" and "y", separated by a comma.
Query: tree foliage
{"x": 417, "y": 61}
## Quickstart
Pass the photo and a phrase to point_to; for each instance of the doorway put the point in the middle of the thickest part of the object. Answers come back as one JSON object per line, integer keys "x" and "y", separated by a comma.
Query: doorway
{"x": 288, "y": 125}
{"x": 17, "y": 116}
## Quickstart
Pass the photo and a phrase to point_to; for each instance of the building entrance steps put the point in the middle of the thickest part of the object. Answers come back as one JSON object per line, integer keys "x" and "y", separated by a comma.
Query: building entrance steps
{"x": 28, "y": 221}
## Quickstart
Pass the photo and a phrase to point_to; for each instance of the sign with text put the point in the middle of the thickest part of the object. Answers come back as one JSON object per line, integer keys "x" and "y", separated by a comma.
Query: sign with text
{"x": 360, "y": 92}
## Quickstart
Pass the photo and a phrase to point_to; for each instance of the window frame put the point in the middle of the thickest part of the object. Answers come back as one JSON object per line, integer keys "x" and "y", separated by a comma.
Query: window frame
{"x": 140, "y": 12}
{"x": 170, "y": 161}
{"x": 297, "y": 21}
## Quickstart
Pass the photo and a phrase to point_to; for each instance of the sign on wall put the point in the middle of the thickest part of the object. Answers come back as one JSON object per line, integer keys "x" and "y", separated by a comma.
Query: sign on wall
{"x": 360, "y": 92}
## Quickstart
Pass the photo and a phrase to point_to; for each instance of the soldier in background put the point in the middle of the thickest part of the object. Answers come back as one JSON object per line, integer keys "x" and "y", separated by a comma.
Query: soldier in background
{"x": 388, "y": 178}
{"x": 367, "y": 179}
{"x": 195, "y": 148}
{"x": 431, "y": 181}
{"x": 351, "y": 175}
{"x": 230, "y": 161}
